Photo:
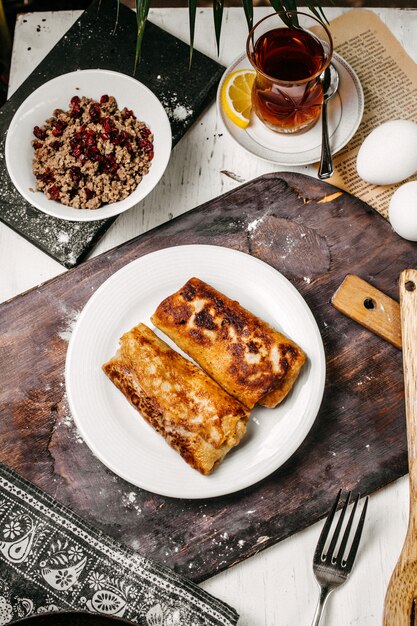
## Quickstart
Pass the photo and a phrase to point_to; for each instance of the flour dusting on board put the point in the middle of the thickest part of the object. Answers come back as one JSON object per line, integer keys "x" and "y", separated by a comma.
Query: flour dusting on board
{"x": 175, "y": 110}
{"x": 63, "y": 237}
{"x": 129, "y": 501}
{"x": 252, "y": 226}
{"x": 68, "y": 325}
{"x": 181, "y": 112}
{"x": 290, "y": 242}
{"x": 65, "y": 419}
{"x": 262, "y": 539}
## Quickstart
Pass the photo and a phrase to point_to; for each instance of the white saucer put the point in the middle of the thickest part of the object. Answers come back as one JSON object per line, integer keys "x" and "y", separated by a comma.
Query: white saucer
{"x": 345, "y": 112}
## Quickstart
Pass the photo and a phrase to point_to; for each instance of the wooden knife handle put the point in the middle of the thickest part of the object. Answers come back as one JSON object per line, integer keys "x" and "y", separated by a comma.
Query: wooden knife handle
{"x": 408, "y": 303}
{"x": 370, "y": 307}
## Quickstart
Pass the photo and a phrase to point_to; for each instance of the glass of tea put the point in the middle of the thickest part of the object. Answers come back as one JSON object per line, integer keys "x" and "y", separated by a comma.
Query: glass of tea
{"x": 289, "y": 51}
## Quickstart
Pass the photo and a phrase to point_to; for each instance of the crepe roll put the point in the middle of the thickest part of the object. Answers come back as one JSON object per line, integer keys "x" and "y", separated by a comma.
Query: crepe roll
{"x": 251, "y": 360}
{"x": 184, "y": 405}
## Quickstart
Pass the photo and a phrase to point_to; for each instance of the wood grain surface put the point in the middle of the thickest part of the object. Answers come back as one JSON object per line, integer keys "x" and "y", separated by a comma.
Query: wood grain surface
{"x": 314, "y": 236}
{"x": 401, "y": 598}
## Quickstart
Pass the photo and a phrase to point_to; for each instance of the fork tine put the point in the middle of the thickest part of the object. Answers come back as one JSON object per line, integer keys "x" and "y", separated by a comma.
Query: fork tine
{"x": 355, "y": 544}
{"x": 326, "y": 528}
{"x": 330, "y": 552}
{"x": 347, "y": 532}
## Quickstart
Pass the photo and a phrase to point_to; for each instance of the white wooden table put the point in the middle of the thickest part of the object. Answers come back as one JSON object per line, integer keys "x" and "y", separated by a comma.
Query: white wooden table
{"x": 276, "y": 588}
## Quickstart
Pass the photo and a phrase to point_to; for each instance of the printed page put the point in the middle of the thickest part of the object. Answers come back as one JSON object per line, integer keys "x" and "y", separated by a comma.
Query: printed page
{"x": 389, "y": 80}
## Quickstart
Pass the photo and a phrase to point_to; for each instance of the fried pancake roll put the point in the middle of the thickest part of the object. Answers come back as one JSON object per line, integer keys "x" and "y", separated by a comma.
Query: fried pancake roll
{"x": 251, "y": 360}
{"x": 189, "y": 409}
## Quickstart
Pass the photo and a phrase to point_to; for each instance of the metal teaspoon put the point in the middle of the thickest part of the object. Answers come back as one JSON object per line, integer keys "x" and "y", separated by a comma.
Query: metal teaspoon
{"x": 330, "y": 80}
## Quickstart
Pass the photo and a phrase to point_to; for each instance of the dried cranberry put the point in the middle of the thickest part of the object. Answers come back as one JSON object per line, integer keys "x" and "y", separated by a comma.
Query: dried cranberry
{"x": 143, "y": 142}
{"x": 39, "y": 133}
{"x": 94, "y": 112}
{"x": 105, "y": 136}
{"x": 148, "y": 147}
{"x": 108, "y": 124}
{"x": 150, "y": 155}
{"x": 58, "y": 128}
{"x": 75, "y": 100}
{"x": 54, "y": 192}
{"x": 88, "y": 193}
{"x": 147, "y": 132}
{"x": 56, "y": 145}
{"x": 76, "y": 114}
{"x": 37, "y": 144}
{"x": 76, "y": 151}
{"x": 75, "y": 173}
{"x": 104, "y": 99}
{"x": 91, "y": 140}
{"x": 128, "y": 113}
{"x": 123, "y": 137}
{"x": 46, "y": 177}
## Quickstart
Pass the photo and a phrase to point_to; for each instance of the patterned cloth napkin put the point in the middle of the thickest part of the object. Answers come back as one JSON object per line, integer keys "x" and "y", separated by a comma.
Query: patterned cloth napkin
{"x": 51, "y": 560}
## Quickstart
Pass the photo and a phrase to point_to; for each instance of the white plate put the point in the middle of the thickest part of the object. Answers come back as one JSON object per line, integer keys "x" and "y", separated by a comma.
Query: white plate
{"x": 114, "y": 430}
{"x": 345, "y": 112}
{"x": 56, "y": 94}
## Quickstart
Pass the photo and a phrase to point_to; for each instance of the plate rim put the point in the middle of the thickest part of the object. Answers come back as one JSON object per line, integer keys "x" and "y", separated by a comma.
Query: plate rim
{"x": 92, "y": 215}
{"x": 215, "y": 493}
{"x": 282, "y": 162}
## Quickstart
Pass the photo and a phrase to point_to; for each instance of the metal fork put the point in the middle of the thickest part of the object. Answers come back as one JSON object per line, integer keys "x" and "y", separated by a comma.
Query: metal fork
{"x": 330, "y": 568}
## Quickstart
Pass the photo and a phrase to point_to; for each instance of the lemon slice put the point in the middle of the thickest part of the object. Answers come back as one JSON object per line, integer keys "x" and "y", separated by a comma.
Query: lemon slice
{"x": 236, "y": 96}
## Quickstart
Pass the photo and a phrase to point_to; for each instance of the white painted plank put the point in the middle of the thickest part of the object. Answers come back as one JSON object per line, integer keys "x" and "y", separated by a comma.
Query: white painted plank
{"x": 35, "y": 35}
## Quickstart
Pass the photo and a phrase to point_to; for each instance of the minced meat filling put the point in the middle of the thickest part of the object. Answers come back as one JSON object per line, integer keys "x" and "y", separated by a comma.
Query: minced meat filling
{"x": 92, "y": 154}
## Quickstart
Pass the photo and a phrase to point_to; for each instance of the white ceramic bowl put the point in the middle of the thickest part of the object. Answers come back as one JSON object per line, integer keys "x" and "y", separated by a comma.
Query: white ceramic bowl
{"x": 57, "y": 93}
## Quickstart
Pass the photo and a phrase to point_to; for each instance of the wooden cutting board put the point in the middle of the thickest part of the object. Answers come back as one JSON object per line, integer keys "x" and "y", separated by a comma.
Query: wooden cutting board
{"x": 315, "y": 235}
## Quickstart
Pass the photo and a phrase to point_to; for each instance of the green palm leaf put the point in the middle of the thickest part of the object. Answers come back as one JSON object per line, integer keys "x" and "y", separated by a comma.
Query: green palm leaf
{"x": 218, "y": 6}
{"x": 142, "y": 10}
{"x": 286, "y": 5}
{"x": 317, "y": 10}
{"x": 192, "y": 6}
{"x": 290, "y": 5}
{"x": 281, "y": 6}
{"x": 248, "y": 8}
{"x": 117, "y": 15}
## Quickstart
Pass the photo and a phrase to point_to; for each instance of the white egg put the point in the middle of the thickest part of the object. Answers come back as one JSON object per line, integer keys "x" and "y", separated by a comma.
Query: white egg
{"x": 389, "y": 153}
{"x": 403, "y": 211}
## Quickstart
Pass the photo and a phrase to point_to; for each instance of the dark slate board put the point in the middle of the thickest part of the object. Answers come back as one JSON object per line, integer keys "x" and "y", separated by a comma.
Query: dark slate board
{"x": 90, "y": 43}
{"x": 357, "y": 442}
